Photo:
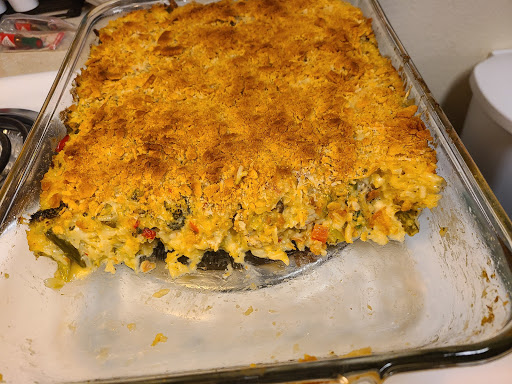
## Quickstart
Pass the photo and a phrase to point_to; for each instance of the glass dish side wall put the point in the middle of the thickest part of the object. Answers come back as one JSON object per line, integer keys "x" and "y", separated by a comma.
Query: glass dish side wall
{"x": 404, "y": 326}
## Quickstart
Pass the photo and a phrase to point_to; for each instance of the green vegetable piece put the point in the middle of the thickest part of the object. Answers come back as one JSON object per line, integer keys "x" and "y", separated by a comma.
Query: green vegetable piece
{"x": 110, "y": 223}
{"x": 47, "y": 214}
{"x": 136, "y": 195}
{"x": 178, "y": 220}
{"x": 178, "y": 215}
{"x": 66, "y": 247}
{"x": 408, "y": 220}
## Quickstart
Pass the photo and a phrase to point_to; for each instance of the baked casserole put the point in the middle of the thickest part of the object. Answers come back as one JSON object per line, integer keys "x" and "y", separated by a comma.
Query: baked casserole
{"x": 253, "y": 127}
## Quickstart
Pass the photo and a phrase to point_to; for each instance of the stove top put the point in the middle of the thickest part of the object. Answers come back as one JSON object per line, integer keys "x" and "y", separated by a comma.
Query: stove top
{"x": 15, "y": 124}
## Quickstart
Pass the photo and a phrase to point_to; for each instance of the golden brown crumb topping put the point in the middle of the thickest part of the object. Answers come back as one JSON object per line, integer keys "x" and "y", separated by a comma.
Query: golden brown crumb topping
{"x": 174, "y": 103}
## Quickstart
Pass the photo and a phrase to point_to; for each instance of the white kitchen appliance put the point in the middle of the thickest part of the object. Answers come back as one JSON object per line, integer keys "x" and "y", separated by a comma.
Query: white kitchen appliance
{"x": 487, "y": 132}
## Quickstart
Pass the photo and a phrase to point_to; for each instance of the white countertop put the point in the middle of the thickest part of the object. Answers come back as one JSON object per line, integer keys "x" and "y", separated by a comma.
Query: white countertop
{"x": 495, "y": 372}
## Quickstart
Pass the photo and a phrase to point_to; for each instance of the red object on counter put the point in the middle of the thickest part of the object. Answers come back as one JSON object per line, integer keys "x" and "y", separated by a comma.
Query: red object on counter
{"x": 57, "y": 40}
{"x": 12, "y": 40}
{"x": 23, "y": 26}
{"x": 7, "y": 40}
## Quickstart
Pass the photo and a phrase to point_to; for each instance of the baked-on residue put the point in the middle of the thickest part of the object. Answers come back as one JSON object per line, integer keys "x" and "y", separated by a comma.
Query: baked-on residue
{"x": 257, "y": 125}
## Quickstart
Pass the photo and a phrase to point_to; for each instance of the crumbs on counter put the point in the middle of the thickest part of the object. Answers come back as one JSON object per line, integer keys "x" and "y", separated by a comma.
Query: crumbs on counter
{"x": 443, "y": 231}
{"x": 131, "y": 326}
{"x": 159, "y": 338}
{"x": 367, "y": 377}
{"x": 161, "y": 293}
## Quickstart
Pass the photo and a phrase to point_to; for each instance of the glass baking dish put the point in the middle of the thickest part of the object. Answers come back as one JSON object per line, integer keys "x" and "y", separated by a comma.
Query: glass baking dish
{"x": 442, "y": 298}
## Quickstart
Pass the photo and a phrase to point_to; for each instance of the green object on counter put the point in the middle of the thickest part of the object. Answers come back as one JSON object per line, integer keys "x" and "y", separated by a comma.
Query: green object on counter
{"x": 27, "y": 42}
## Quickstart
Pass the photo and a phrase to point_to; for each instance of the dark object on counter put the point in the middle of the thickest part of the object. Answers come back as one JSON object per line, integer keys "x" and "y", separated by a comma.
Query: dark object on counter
{"x": 15, "y": 125}
{"x": 5, "y": 154}
{"x": 60, "y": 8}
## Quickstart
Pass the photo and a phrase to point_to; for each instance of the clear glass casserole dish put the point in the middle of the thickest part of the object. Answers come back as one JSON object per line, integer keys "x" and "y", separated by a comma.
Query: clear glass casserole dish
{"x": 441, "y": 298}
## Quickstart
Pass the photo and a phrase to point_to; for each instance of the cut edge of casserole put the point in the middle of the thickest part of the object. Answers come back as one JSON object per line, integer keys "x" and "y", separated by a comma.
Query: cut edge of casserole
{"x": 254, "y": 126}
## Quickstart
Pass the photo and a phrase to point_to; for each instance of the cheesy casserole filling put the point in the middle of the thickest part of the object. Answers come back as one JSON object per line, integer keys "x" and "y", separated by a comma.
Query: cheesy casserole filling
{"x": 259, "y": 126}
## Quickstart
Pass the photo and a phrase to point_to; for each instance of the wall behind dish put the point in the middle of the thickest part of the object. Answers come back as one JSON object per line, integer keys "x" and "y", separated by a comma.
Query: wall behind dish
{"x": 446, "y": 39}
